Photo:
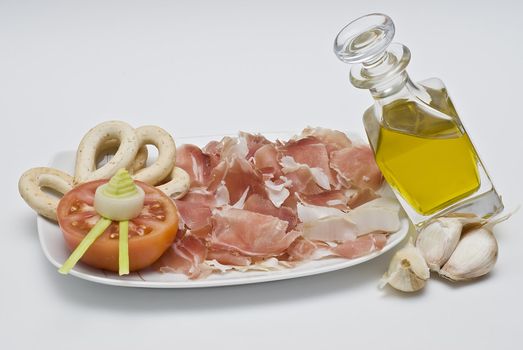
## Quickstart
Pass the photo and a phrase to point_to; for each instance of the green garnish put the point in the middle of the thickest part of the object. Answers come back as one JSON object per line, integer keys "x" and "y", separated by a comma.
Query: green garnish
{"x": 89, "y": 239}
{"x": 123, "y": 248}
{"x": 121, "y": 185}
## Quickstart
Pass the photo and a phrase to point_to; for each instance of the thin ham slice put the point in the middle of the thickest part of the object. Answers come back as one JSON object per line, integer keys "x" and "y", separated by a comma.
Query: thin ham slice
{"x": 301, "y": 249}
{"x": 238, "y": 176}
{"x": 357, "y": 166}
{"x": 289, "y": 165}
{"x": 197, "y": 164}
{"x": 261, "y": 205}
{"x": 311, "y": 152}
{"x": 244, "y": 146}
{"x": 227, "y": 148}
{"x": 266, "y": 160}
{"x": 212, "y": 150}
{"x": 332, "y": 139}
{"x": 250, "y": 233}
{"x": 195, "y": 208}
{"x": 185, "y": 256}
{"x": 302, "y": 181}
{"x": 335, "y": 198}
{"x": 361, "y": 246}
{"x": 254, "y": 142}
{"x": 233, "y": 147}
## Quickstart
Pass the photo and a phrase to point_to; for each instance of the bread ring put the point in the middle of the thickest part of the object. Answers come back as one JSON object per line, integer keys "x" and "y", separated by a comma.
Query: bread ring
{"x": 178, "y": 184}
{"x": 30, "y": 187}
{"x": 85, "y": 168}
{"x": 111, "y": 146}
{"x": 164, "y": 164}
{"x": 140, "y": 160}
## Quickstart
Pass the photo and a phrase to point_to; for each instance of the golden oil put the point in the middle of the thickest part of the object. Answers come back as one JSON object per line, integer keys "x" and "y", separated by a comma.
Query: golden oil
{"x": 433, "y": 167}
{"x": 425, "y": 154}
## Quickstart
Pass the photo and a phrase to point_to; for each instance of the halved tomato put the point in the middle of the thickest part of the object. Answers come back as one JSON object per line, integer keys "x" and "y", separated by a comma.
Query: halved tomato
{"x": 150, "y": 234}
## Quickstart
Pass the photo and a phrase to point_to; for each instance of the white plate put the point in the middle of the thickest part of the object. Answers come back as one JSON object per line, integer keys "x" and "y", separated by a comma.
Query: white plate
{"x": 56, "y": 251}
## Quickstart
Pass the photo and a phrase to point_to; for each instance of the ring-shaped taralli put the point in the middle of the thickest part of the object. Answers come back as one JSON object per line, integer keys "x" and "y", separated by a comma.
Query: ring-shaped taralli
{"x": 30, "y": 187}
{"x": 140, "y": 160}
{"x": 164, "y": 164}
{"x": 111, "y": 146}
{"x": 177, "y": 184}
{"x": 85, "y": 168}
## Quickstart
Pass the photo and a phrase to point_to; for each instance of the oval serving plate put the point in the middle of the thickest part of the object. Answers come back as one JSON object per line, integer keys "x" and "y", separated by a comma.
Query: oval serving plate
{"x": 54, "y": 248}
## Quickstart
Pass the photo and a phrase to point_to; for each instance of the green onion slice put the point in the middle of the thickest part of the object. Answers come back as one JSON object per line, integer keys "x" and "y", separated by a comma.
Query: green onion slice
{"x": 89, "y": 239}
{"x": 123, "y": 252}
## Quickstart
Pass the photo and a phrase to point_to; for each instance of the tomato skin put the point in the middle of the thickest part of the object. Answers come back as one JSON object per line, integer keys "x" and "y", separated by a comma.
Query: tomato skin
{"x": 103, "y": 253}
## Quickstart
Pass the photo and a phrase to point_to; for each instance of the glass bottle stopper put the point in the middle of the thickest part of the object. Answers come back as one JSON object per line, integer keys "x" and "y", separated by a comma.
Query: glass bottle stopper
{"x": 366, "y": 44}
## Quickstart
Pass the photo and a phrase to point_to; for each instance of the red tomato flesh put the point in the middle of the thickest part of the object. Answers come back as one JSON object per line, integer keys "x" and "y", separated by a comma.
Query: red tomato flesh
{"x": 150, "y": 234}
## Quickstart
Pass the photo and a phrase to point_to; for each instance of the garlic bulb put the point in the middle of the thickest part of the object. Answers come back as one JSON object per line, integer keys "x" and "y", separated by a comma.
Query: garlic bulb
{"x": 438, "y": 240}
{"x": 475, "y": 255}
{"x": 408, "y": 270}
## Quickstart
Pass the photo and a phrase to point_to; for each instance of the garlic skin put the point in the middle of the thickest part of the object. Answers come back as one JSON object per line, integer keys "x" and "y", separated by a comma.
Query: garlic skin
{"x": 474, "y": 256}
{"x": 438, "y": 240}
{"x": 408, "y": 270}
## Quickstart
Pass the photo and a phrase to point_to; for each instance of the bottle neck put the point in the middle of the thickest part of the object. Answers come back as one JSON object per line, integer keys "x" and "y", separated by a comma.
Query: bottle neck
{"x": 382, "y": 71}
{"x": 399, "y": 87}
{"x": 391, "y": 87}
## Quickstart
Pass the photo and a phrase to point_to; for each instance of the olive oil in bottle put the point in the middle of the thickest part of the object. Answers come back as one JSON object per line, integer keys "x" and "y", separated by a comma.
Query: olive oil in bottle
{"x": 437, "y": 155}
{"x": 420, "y": 144}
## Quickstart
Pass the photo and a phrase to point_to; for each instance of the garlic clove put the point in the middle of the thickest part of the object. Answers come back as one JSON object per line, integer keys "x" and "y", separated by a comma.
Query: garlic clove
{"x": 407, "y": 271}
{"x": 474, "y": 256}
{"x": 438, "y": 240}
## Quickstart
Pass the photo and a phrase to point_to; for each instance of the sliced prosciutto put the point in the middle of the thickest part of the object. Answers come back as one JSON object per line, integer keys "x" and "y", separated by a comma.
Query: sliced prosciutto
{"x": 361, "y": 246}
{"x": 335, "y": 198}
{"x": 255, "y": 204}
{"x": 319, "y": 176}
{"x": 261, "y": 205}
{"x": 301, "y": 249}
{"x": 238, "y": 176}
{"x": 332, "y": 139}
{"x": 195, "y": 208}
{"x": 186, "y": 256}
{"x": 357, "y": 166}
{"x": 212, "y": 150}
{"x": 310, "y": 152}
{"x": 266, "y": 160}
{"x": 303, "y": 181}
{"x": 197, "y": 164}
{"x": 253, "y": 142}
{"x": 250, "y": 233}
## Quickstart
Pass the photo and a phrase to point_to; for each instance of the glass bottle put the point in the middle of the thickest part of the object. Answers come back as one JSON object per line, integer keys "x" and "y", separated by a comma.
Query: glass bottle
{"x": 419, "y": 142}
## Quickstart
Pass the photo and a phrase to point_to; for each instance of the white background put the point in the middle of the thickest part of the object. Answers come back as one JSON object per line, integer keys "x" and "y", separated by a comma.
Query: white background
{"x": 197, "y": 68}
